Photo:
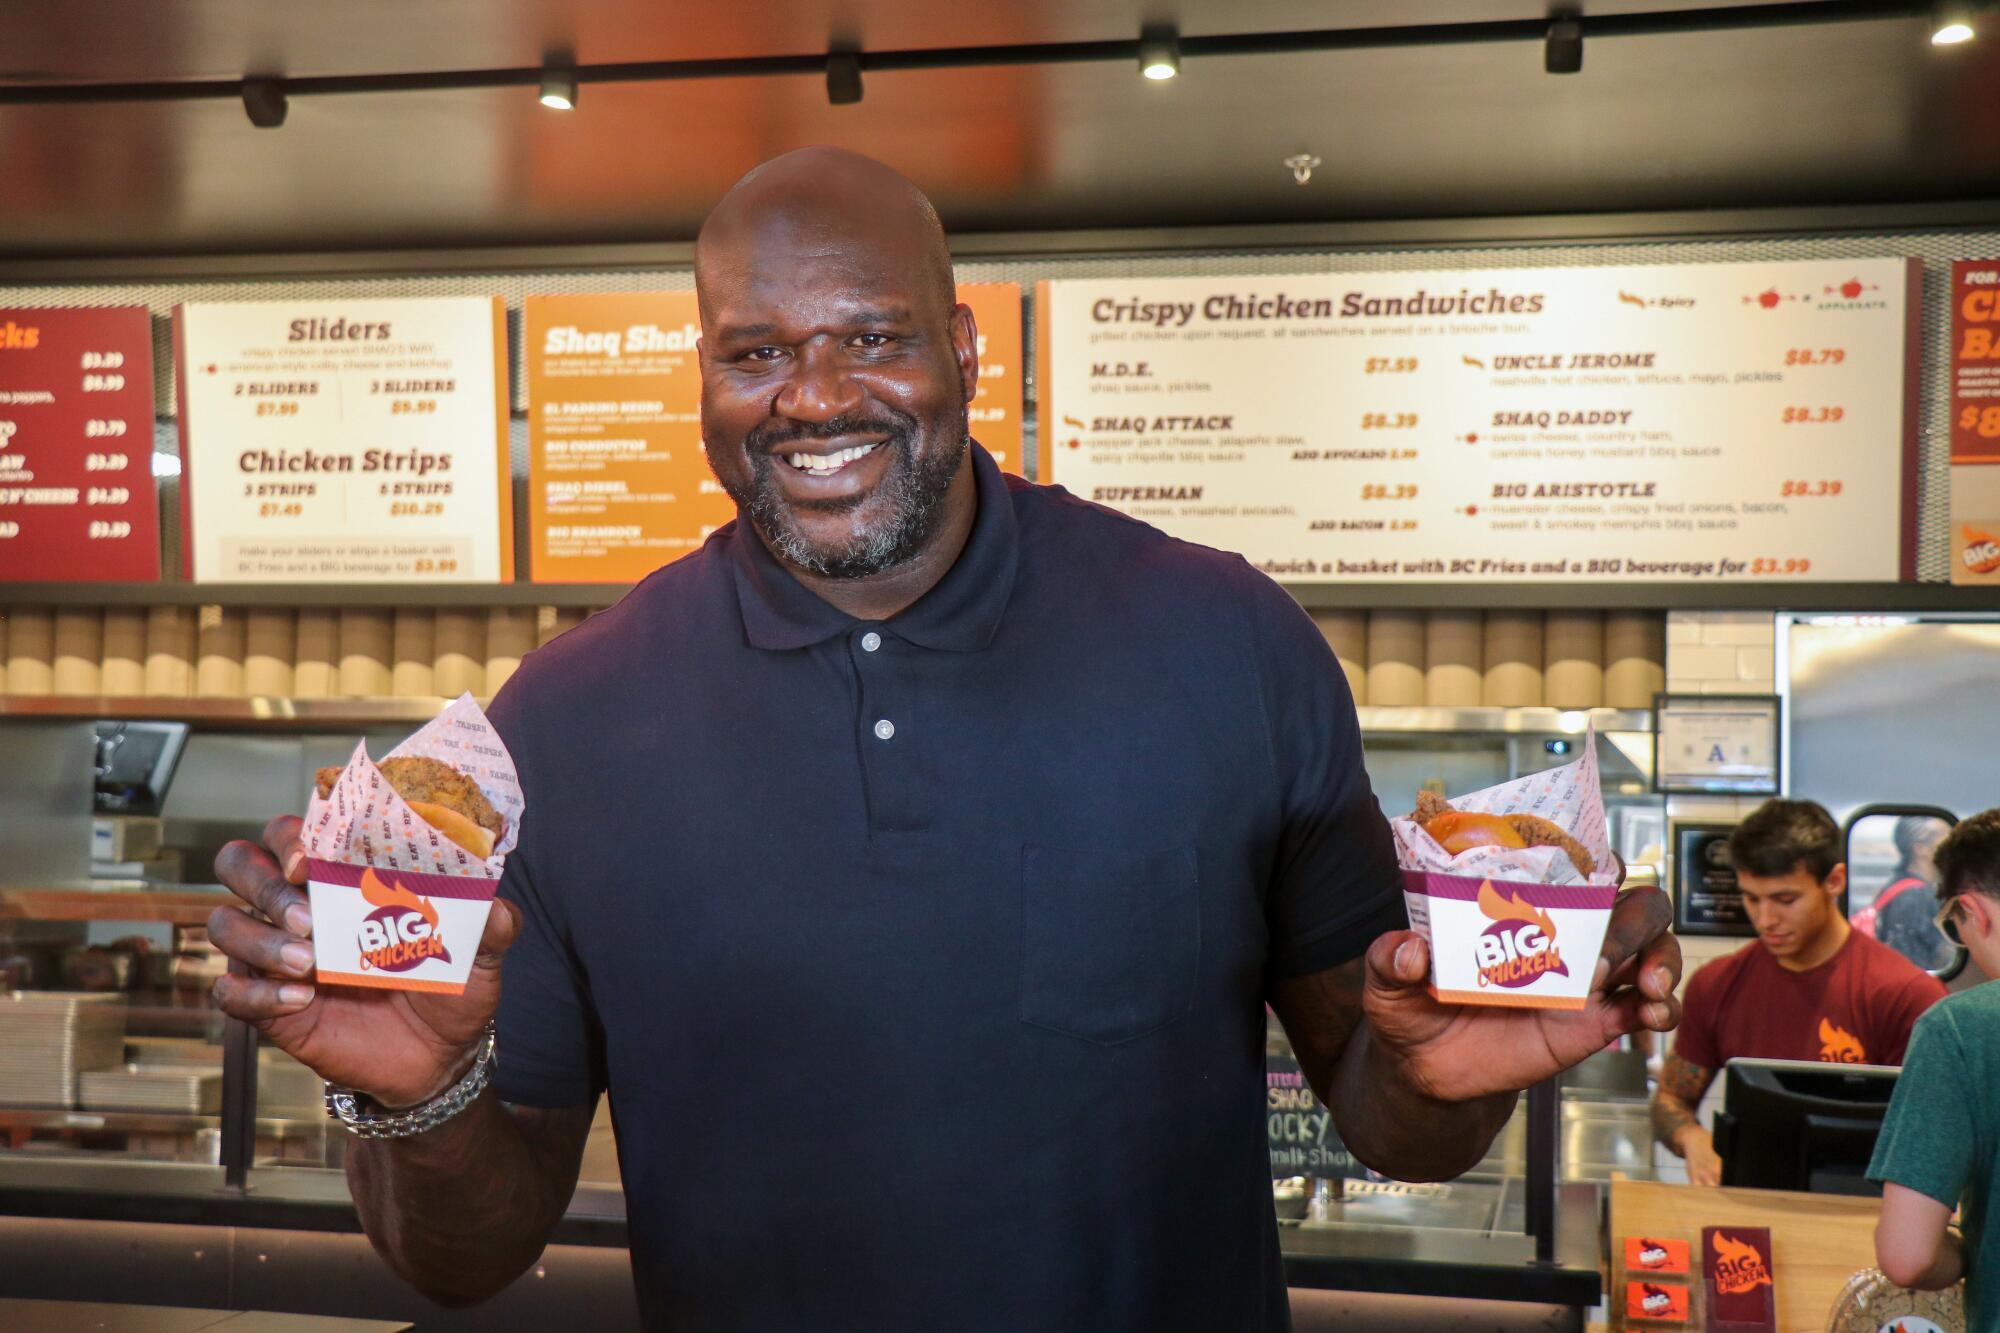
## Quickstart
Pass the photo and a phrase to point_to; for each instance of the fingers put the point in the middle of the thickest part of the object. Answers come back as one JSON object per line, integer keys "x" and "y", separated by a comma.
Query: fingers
{"x": 253, "y": 875}
{"x": 265, "y": 948}
{"x": 503, "y": 926}
{"x": 1399, "y": 959}
{"x": 1660, "y": 967}
{"x": 1639, "y": 917}
{"x": 258, "y": 1000}
{"x": 1629, "y": 1010}
{"x": 281, "y": 835}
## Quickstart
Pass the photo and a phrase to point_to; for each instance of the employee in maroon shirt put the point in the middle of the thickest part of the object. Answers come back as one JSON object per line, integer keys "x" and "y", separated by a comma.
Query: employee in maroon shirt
{"x": 1810, "y": 987}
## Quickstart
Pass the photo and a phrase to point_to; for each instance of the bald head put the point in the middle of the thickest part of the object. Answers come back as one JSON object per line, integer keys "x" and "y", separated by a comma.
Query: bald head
{"x": 825, "y": 206}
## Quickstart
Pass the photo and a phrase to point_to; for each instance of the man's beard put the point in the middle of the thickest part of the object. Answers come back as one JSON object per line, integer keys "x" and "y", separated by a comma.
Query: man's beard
{"x": 913, "y": 487}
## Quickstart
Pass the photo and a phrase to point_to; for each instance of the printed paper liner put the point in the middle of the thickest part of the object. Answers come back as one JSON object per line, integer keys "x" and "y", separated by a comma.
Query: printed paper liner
{"x": 1568, "y": 796}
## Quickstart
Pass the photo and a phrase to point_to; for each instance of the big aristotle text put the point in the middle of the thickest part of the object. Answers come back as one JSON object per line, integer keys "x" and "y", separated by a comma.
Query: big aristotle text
{"x": 1251, "y": 305}
{"x": 412, "y": 461}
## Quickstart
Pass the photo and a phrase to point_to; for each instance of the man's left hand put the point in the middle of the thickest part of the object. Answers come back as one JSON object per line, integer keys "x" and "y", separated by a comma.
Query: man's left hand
{"x": 1459, "y": 1052}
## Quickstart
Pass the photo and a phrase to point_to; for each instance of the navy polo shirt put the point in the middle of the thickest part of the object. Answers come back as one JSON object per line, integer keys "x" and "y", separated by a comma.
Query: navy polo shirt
{"x": 925, "y": 959}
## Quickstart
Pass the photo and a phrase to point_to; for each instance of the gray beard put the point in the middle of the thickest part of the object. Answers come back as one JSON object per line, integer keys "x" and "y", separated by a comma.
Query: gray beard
{"x": 914, "y": 488}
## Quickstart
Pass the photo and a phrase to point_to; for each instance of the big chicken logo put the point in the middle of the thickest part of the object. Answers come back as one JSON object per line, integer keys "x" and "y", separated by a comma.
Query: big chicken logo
{"x": 1982, "y": 551}
{"x": 401, "y": 932}
{"x": 1839, "y": 1046}
{"x": 1519, "y": 948}
{"x": 1738, "y": 1266}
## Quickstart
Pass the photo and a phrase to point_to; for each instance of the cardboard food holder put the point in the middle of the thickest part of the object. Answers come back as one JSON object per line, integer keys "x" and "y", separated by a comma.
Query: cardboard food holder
{"x": 395, "y": 904}
{"x": 1519, "y": 929}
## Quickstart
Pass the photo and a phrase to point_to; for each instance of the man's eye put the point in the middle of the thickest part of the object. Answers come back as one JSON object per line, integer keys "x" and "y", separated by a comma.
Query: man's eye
{"x": 873, "y": 341}
{"x": 763, "y": 354}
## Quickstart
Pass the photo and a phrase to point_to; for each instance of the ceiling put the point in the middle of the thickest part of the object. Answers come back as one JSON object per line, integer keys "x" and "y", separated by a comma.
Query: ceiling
{"x": 1857, "y": 112}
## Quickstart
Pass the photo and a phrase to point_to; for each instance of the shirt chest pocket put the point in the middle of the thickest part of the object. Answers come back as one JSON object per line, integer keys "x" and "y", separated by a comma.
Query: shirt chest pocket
{"x": 1111, "y": 940}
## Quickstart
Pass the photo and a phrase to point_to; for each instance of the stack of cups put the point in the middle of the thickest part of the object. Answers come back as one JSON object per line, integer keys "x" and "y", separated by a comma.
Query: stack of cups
{"x": 460, "y": 664}
{"x": 1513, "y": 660}
{"x": 124, "y": 670}
{"x": 1575, "y": 654}
{"x": 79, "y": 660}
{"x": 170, "y": 651}
{"x": 415, "y": 655}
{"x": 31, "y": 650}
{"x": 316, "y": 660}
{"x": 1452, "y": 652}
{"x": 1395, "y": 658}
{"x": 219, "y": 650}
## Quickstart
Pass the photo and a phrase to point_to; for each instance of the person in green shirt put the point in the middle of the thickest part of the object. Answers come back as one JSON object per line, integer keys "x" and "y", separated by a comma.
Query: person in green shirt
{"x": 1937, "y": 1151}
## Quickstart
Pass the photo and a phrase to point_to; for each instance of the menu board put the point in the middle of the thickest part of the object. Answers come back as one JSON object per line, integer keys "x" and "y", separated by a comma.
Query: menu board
{"x": 1720, "y": 422}
{"x": 1299, "y": 1129}
{"x": 77, "y": 501}
{"x": 995, "y": 413}
{"x": 617, "y": 481}
{"x": 345, "y": 440}
{"x": 1975, "y": 421}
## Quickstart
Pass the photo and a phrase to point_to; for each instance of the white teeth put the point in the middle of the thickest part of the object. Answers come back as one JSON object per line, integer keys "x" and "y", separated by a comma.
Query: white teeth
{"x": 831, "y": 462}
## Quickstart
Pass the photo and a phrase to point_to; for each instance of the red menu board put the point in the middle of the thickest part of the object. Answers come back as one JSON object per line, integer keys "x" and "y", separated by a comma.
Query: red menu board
{"x": 1975, "y": 421}
{"x": 77, "y": 502}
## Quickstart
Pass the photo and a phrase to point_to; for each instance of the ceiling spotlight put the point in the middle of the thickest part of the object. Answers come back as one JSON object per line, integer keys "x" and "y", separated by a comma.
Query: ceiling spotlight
{"x": 1951, "y": 23}
{"x": 559, "y": 88}
{"x": 1302, "y": 165}
{"x": 1562, "y": 53}
{"x": 1159, "y": 51}
{"x": 843, "y": 77}
{"x": 265, "y": 103}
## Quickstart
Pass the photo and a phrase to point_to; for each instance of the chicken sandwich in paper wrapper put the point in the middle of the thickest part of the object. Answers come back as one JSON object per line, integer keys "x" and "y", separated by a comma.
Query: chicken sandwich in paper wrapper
{"x": 403, "y": 857}
{"x": 1512, "y": 887}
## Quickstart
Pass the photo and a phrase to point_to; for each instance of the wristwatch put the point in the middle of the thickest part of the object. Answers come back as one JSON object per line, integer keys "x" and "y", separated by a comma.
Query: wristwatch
{"x": 361, "y": 1113}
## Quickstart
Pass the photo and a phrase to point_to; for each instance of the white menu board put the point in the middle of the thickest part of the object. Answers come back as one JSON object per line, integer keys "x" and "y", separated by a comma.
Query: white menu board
{"x": 344, "y": 441}
{"x": 1704, "y": 422}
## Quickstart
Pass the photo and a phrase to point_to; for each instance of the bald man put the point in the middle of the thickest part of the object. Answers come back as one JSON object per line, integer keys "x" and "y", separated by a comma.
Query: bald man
{"x": 912, "y": 865}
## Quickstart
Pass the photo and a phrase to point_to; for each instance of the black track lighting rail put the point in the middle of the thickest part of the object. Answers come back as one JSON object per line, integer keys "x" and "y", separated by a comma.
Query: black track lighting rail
{"x": 1535, "y": 30}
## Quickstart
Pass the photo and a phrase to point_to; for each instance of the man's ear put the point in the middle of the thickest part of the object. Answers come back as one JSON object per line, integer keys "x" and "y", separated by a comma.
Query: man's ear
{"x": 1836, "y": 880}
{"x": 1977, "y": 915}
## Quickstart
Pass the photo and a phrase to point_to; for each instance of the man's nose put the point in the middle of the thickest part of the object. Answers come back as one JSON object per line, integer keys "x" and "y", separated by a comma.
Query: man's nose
{"x": 819, "y": 389}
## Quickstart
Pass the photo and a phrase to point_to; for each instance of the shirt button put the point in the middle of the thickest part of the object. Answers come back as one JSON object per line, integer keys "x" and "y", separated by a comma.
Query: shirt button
{"x": 869, "y": 643}
{"x": 884, "y": 729}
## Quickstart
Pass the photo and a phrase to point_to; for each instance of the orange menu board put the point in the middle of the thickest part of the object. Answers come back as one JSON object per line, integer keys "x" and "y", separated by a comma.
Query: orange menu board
{"x": 617, "y": 481}
{"x": 996, "y": 408}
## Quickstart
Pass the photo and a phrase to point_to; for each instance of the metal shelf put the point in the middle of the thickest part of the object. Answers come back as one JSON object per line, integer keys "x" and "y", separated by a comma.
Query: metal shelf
{"x": 1501, "y": 721}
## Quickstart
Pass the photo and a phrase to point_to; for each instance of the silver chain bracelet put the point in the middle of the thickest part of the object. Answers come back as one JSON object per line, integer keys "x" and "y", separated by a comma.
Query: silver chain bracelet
{"x": 349, "y": 1106}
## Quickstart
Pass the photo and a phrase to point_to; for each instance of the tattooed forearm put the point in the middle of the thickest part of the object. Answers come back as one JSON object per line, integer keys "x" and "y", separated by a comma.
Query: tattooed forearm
{"x": 1681, "y": 1088}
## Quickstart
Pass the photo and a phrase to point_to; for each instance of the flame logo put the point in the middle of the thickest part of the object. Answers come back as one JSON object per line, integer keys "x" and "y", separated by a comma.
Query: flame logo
{"x": 378, "y": 894}
{"x": 1739, "y": 1267}
{"x": 1498, "y": 908}
{"x": 1472, "y": 361}
{"x": 1651, "y": 1252}
{"x": 1982, "y": 551}
{"x": 1630, "y": 299}
{"x": 1839, "y": 1046}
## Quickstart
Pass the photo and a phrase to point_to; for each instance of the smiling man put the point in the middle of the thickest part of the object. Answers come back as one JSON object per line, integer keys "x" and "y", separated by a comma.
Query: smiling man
{"x": 912, "y": 865}
{"x": 1809, "y": 987}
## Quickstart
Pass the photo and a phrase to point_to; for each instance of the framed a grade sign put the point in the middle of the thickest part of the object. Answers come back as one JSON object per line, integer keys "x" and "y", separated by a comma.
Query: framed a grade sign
{"x": 342, "y": 441}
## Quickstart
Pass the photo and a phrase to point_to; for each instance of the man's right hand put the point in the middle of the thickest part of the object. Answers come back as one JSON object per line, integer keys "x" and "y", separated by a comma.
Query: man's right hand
{"x": 1698, "y": 1147}
{"x": 399, "y": 1047}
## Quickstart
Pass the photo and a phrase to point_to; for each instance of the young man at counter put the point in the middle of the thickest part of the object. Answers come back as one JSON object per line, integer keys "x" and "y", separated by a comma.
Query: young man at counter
{"x": 912, "y": 864}
{"x": 1937, "y": 1151}
{"x": 1809, "y": 987}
